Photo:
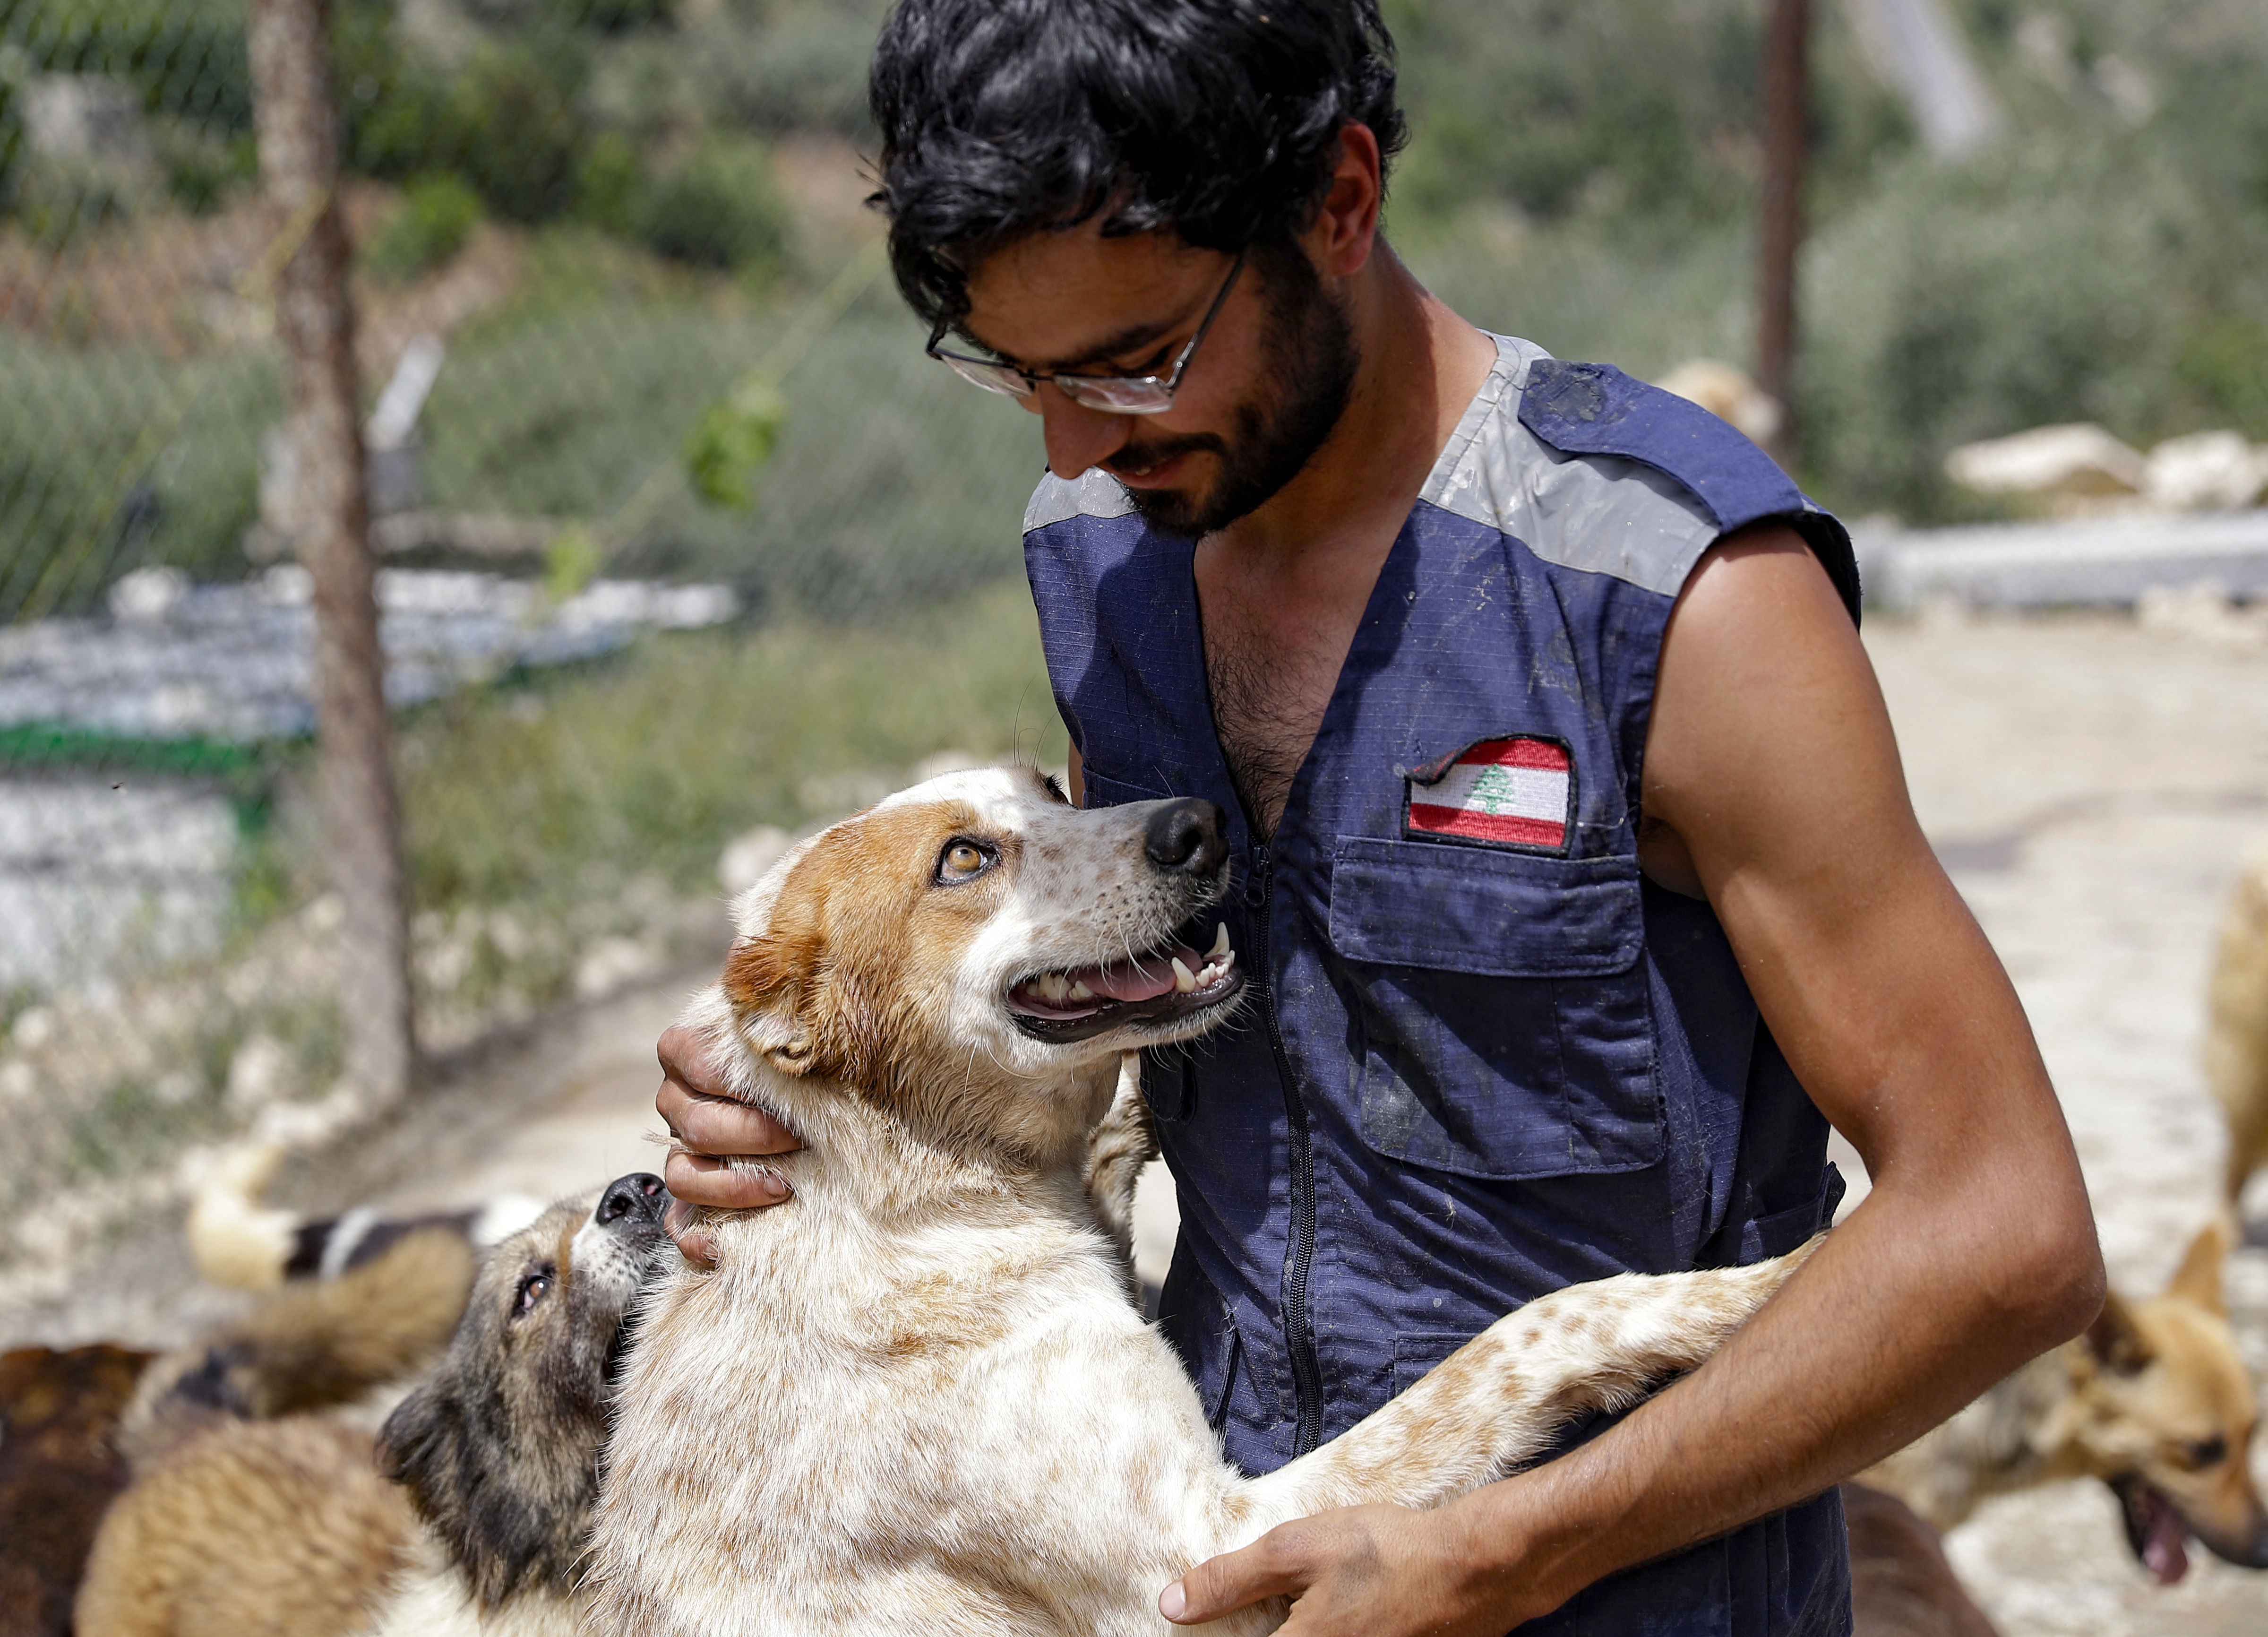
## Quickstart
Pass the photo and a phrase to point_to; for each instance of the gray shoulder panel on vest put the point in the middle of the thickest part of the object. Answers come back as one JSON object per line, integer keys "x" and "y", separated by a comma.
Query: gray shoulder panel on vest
{"x": 1095, "y": 494}
{"x": 1603, "y": 514}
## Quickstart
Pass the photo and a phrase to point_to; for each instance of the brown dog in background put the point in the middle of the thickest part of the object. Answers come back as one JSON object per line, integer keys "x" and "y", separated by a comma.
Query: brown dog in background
{"x": 2153, "y": 1400}
{"x": 2236, "y": 1034}
{"x": 59, "y": 1468}
{"x": 255, "y": 1510}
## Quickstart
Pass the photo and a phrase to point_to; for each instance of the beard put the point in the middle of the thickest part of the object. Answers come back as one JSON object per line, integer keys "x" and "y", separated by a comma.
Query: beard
{"x": 1310, "y": 358}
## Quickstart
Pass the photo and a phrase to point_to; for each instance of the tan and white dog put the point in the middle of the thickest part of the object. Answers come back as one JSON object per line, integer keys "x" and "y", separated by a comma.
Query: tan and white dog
{"x": 915, "y": 1398}
{"x": 2153, "y": 1400}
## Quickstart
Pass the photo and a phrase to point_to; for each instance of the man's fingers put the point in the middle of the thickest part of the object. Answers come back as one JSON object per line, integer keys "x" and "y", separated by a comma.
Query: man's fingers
{"x": 695, "y": 1246}
{"x": 685, "y": 1058}
{"x": 1273, "y": 1565}
{"x": 711, "y": 1126}
{"x": 698, "y": 1180}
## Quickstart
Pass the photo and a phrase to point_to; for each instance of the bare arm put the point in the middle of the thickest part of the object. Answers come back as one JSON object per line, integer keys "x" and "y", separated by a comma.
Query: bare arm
{"x": 1773, "y": 783}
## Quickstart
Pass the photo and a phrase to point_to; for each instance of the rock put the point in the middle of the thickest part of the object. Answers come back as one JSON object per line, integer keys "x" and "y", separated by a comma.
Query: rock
{"x": 748, "y": 856}
{"x": 1728, "y": 393}
{"x": 613, "y": 963}
{"x": 2218, "y": 471}
{"x": 262, "y": 1071}
{"x": 142, "y": 597}
{"x": 85, "y": 116}
{"x": 2076, "y": 459}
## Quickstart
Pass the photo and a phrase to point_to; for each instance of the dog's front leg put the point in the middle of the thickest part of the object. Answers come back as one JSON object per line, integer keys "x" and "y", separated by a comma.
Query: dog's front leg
{"x": 1122, "y": 1144}
{"x": 1495, "y": 1403}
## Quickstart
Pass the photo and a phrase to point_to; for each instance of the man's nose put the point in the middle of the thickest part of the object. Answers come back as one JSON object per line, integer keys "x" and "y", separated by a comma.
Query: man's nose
{"x": 1076, "y": 438}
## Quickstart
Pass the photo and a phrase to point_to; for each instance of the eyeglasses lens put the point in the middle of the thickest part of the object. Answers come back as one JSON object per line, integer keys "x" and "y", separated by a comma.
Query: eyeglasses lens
{"x": 992, "y": 377}
{"x": 1117, "y": 395}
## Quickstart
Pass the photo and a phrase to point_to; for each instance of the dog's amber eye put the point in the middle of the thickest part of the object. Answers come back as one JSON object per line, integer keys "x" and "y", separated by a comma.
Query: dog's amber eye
{"x": 964, "y": 859}
{"x": 532, "y": 1289}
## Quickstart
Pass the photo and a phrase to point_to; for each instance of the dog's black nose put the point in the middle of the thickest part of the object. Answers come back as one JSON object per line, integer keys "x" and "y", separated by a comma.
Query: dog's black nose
{"x": 1187, "y": 835}
{"x": 639, "y": 1196}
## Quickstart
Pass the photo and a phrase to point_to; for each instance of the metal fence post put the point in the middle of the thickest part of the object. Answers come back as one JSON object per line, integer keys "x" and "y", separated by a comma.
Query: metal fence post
{"x": 296, "y": 116}
{"x": 1779, "y": 229}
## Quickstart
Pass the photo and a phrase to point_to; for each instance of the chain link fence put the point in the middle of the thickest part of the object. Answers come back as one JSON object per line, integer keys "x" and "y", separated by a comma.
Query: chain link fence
{"x": 667, "y": 507}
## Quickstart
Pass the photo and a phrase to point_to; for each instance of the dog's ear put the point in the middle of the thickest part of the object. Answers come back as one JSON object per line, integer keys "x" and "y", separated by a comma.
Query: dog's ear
{"x": 766, "y": 981}
{"x": 2116, "y": 1342}
{"x": 416, "y": 1441}
{"x": 778, "y": 1034}
{"x": 2198, "y": 1280}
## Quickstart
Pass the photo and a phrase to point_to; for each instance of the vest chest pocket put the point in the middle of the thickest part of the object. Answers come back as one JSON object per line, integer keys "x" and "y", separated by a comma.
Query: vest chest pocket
{"x": 1506, "y": 1032}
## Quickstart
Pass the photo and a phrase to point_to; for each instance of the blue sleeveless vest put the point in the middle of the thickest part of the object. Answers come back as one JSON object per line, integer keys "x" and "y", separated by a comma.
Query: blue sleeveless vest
{"x": 1482, "y": 1057}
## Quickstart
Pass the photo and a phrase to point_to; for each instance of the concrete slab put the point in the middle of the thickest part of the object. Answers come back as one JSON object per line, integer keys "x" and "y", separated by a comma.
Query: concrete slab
{"x": 2041, "y": 566}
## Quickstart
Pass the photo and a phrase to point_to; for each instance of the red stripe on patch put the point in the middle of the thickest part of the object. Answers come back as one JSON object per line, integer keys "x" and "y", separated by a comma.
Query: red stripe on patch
{"x": 1500, "y": 827}
{"x": 1517, "y": 753}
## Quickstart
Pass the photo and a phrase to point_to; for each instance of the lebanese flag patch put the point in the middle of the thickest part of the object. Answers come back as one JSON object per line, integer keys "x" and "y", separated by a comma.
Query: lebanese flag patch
{"x": 1506, "y": 792}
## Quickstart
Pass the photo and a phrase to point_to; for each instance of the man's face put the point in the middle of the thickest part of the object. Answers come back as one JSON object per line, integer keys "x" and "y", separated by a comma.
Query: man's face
{"x": 1258, "y": 399}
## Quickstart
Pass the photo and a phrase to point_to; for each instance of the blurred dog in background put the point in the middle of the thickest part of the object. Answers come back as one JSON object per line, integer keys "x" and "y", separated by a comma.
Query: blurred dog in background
{"x": 2153, "y": 1400}
{"x": 265, "y": 1505}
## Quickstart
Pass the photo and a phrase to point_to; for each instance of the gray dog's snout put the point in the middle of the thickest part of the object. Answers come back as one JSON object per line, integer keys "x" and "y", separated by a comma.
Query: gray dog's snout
{"x": 637, "y": 1198}
{"x": 1188, "y": 836}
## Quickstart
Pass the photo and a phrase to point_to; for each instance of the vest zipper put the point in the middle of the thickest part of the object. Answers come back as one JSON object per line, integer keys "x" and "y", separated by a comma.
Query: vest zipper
{"x": 1299, "y": 1322}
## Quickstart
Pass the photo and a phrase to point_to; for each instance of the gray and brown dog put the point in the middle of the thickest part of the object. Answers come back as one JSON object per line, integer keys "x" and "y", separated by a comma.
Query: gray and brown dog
{"x": 253, "y": 1526}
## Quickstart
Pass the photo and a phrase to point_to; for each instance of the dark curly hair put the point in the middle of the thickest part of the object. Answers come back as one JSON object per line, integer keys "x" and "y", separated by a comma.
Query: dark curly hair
{"x": 1218, "y": 119}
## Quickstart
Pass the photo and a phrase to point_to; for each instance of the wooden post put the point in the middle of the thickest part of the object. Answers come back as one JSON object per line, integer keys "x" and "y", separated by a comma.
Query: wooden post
{"x": 298, "y": 123}
{"x": 1780, "y": 227}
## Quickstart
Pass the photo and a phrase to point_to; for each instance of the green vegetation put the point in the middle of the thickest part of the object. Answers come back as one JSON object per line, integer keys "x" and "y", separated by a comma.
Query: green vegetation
{"x": 561, "y": 793}
{"x": 436, "y": 216}
{"x": 2103, "y": 260}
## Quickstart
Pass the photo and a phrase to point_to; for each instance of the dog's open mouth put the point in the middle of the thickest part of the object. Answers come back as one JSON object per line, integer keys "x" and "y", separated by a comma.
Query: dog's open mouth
{"x": 2155, "y": 1531}
{"x": 1171, "y": 981}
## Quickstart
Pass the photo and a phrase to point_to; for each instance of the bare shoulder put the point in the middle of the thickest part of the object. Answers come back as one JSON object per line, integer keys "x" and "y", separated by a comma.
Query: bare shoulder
{"x": 1770, "y": 738}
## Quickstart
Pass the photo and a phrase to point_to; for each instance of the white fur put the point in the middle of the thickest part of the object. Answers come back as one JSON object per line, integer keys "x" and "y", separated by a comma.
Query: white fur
{"x": 430, "y": 1599}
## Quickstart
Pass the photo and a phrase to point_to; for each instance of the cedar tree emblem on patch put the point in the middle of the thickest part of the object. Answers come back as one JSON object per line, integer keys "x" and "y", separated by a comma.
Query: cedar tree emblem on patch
{"x": 1504, "y": 793}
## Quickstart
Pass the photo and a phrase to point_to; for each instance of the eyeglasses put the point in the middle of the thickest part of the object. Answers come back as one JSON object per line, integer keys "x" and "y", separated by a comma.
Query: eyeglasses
{"x": 1111, "y": 394}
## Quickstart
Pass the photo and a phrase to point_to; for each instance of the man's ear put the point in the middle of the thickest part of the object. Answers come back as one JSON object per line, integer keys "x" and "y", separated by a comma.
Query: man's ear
{"x": 2116, "y": 1342}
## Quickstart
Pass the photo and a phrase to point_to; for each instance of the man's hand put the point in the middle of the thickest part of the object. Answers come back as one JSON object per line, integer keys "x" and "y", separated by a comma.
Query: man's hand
{"x": 1375, "y": 1571}
{"x": 711, "y": 1130}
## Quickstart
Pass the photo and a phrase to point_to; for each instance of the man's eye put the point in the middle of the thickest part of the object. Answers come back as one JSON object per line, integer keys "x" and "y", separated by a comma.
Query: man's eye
{"x": 532, "y": 1289}
{"x": 963, "y": 860}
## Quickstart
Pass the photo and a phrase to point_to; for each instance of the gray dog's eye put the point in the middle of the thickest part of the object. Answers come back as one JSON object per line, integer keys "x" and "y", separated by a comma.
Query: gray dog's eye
{"x": 532, "y": 1289}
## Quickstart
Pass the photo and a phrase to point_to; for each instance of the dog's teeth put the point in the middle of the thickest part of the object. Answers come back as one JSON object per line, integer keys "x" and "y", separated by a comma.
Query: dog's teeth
{"x": 1219, "y": 942}
{"x": 1051, "y": 986}
{"x": 1080, "y": 990}
{"x": 1183, "y": 980}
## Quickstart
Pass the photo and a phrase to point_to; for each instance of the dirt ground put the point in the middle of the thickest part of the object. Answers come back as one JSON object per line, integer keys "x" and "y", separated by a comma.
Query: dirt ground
{"x": 2091, "y": 783}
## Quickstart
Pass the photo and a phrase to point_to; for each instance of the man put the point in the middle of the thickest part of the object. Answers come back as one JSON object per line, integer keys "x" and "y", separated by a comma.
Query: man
{"x": 1576, "y": 869}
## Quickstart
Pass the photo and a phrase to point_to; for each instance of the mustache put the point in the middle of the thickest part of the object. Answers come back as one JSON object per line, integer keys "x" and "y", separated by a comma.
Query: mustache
{"x": 1138, "y": 457}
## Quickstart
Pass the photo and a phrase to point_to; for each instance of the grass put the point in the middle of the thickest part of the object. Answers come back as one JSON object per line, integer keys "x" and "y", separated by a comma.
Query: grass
{"x": 570, "y": 786}
{"x": 118, "y": 455}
